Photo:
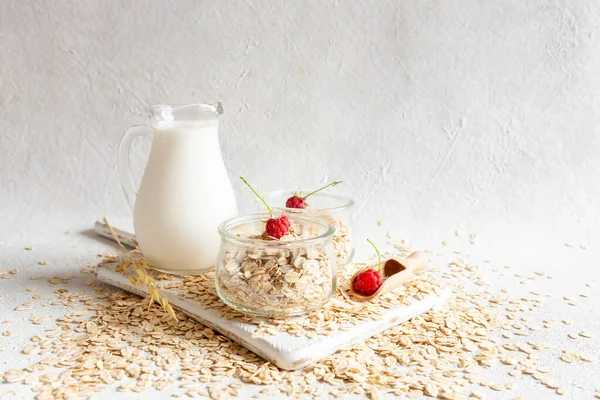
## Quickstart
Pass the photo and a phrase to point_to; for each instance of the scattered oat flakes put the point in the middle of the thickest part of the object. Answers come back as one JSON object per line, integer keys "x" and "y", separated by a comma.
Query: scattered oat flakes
{"x": 23, "y": 307}
{"x": 37, "y": 320}
{"x": 439, "y": 345}
{"x": 587, "y": 358}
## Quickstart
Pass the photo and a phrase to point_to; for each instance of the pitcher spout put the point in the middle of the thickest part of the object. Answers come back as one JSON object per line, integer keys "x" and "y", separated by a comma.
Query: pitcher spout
{"x": 188, "y": 112}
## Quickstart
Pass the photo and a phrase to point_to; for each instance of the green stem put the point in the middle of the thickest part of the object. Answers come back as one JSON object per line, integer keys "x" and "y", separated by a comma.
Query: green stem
{"x": 324, "y": 187}
{"x": 378, "y": 255}
{"x": 257, "y": 195}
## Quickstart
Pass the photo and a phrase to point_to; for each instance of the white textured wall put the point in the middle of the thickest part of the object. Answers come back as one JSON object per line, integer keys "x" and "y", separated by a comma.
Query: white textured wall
{"x": 434, "y": 111}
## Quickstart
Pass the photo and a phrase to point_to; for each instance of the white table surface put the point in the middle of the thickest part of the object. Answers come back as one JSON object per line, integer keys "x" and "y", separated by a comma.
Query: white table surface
{"x": 526, "y": 250}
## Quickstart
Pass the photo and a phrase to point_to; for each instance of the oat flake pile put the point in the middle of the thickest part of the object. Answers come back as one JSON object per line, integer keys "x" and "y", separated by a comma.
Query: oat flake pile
{"x": 111, "y": 338}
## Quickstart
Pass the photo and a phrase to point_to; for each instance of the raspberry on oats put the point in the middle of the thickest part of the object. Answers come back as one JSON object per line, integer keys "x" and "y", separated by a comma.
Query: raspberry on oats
{"x": 297, "y": 201}
{"x": 275, "y": 227}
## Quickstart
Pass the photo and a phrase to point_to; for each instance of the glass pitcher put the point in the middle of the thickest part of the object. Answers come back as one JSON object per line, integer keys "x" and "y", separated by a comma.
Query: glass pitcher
{"x": 185, "y": 192}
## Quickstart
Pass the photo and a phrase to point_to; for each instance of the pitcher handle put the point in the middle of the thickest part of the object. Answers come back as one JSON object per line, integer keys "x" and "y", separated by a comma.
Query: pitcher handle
{"x": 123, "y": 160}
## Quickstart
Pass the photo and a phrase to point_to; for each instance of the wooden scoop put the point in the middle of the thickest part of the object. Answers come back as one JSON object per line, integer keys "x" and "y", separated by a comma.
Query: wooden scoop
{"x": 395, "y": 273}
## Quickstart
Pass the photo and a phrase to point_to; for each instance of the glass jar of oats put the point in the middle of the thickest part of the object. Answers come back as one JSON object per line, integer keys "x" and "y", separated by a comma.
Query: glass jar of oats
{"x": 275, "y": 278}
{"x": 334, "y": 209}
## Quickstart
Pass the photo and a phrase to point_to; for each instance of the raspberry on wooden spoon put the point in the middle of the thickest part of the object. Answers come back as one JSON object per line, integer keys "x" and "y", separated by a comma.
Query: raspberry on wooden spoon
{"x": 275, "y": 227}
{"x": 300, "y": 202}
{"x": 368, "y": 281}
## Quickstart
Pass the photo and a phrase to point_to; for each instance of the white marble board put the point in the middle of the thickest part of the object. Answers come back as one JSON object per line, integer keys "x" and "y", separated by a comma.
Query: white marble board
{"x": 283, "y": 350}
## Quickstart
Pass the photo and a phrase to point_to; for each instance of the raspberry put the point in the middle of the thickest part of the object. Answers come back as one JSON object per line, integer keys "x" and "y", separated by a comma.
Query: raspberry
{"x": 278, "y": 227}
{"x": 295, "y": 202}
{"x": 275, "y": 227}
{"x": 367, "y": 282}
{"x": 300, "y": 202}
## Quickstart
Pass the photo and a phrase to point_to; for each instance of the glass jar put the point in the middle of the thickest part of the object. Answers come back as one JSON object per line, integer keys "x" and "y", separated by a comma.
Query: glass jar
{"x": 275, "y": 278}
{"x": 336, "y": 210}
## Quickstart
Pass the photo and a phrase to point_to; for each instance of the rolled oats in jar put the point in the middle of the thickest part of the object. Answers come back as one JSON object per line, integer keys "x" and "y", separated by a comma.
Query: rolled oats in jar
{"x": 334, "y": 209}
{"x": 276, "y": 278}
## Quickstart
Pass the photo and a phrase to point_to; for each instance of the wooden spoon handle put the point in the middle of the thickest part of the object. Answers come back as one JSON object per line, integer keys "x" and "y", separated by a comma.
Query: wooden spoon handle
{"x": 396, "y": 281}
{"x": 416, "y": 262}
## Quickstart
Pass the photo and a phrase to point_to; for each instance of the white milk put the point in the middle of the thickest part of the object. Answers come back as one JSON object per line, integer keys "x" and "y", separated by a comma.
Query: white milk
{"x": 184, "y": 195}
